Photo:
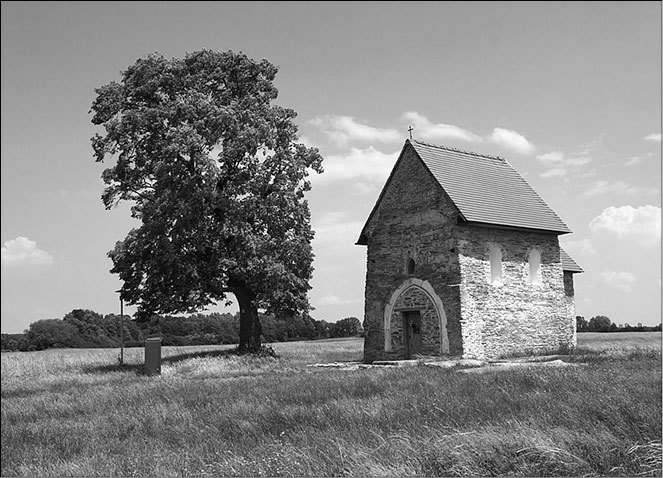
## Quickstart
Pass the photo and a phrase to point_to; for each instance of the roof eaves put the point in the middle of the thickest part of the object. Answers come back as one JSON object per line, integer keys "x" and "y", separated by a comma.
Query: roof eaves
{"x": 567, "y": 229}
{"x": 568, "y": 264}
{"x": 513, "y": 228}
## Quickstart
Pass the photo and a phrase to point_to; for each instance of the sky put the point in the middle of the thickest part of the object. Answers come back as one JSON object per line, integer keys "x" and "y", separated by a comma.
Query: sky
{"x": 569, "y": 93}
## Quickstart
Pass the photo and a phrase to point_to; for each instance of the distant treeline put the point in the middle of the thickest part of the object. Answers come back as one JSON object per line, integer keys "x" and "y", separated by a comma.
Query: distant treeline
{"x": 601, "y": 323}
{"x": 88, "y": 329}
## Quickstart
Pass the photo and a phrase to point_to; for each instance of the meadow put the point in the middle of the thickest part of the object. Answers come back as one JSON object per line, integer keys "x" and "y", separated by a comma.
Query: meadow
{"x": 76, "y": 412}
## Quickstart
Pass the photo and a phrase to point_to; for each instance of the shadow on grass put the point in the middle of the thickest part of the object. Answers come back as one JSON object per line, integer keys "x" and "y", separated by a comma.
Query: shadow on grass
{"x": 139, "y": 369}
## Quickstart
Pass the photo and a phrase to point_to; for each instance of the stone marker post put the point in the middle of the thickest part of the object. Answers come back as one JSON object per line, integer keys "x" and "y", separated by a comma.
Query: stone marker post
{"x": 153, "y": 356}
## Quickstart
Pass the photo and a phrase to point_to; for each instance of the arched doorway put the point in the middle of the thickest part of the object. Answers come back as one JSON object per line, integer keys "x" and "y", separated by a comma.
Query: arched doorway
{"x": 415, "y": 321}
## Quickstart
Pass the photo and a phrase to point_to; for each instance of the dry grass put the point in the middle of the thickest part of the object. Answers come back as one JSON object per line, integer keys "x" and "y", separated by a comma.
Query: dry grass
{"x": 619, "y": 341}
{"x": 211, "y": 413}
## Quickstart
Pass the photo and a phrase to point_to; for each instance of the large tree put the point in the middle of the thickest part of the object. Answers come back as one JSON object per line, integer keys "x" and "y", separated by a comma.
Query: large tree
{"x": 347, "y": 327}
{"x": 599, "y": 323}
{"x": 216, "y": 175}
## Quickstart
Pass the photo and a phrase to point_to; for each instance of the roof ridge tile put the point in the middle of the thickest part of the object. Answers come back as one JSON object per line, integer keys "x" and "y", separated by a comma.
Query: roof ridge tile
{"x": 471, "y": 153}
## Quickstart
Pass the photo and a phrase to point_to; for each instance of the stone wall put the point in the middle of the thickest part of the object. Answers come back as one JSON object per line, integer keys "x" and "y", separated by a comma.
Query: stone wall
{"x": 414, "y": 220}
{"x": 569, "y": 294}
{"x": 515, "y": 315}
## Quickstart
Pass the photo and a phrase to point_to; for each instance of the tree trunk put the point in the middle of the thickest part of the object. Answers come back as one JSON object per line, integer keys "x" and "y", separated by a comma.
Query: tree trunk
{"x": 249, "y": 323}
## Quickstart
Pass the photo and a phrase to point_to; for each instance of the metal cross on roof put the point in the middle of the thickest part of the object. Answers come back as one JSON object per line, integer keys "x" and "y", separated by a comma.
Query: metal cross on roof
{"x": 410, "y": 131}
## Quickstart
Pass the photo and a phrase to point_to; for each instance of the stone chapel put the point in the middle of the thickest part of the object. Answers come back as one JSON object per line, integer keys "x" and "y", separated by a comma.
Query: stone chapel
{"x": 463, "y": 259}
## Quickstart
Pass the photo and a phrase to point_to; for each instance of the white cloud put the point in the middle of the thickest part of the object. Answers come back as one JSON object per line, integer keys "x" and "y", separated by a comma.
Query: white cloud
{"x": 331, "y": 299}
{"x": 363, "y": 167}
{"x": 656, "y": 137}
{"x": 633, "y": 160}
{"x": 578, "y": 160}
{"x": 367, "y": 168}
{"x": 591, "y": 146}
{"x": 553, "y": 157}
{"x": 335, "y": 228}
{"x": 581, "y": 246}
{"x": 642, "y": 224}
{"x": 618, "y": 187}
{"x": 344, "y": 130}
{"x": 426, "y": 130}
{"x": 619, "y": 280}
{"x": 560, "y": 164}
{"x": 307, "y": 141}
{"x": 22, "y": 252}
{"x": 554, "y": 172}
{"x": 511, "y": 140}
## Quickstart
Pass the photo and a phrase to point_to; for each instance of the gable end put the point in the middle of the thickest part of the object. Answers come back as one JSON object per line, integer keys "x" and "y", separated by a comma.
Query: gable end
{"x": 363, "y": 237}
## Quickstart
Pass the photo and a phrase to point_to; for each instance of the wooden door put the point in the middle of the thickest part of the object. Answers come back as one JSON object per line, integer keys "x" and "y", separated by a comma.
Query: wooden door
{"x": 412, "y": 332}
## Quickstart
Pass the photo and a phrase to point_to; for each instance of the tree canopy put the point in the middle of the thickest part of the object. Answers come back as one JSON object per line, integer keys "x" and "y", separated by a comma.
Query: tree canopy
{"x": 217, "y": 177}
{"x": 347, "y": 327}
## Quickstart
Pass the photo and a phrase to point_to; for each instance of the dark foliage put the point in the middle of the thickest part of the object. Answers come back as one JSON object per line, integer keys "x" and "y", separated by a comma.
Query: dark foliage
{"x": 87, "y": 329}
{"x": 601, "y": 323}
{"x": 217, "y": 176}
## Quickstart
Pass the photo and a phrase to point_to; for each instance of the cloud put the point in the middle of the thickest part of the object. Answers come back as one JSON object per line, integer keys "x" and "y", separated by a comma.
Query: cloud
{"x": 656, "y": 137}
{"x": 331, "y": 299}
{"x": 581, "y": 246}
{"x": 367, "y": 168}
{"x": 619, "y": 280}
{"x": 306, "y": 140}
{"x": 334, "y": 228}
{"x": 511, "y": 140}
{"x": 553, "y": 157}
{"x": 642, "y": 224}
{"x": 24, "y": 253}
{"x": 363, "y": 167}
{"x": 578, "y": 160}
{"x": 425, "y": 129}
{"x": 561, "y": 165}
{"x": 618, "y": 187}
{"x": 344, "y": 130}
{"x": 555, "y": 172}
{"x": 633, "y": 160}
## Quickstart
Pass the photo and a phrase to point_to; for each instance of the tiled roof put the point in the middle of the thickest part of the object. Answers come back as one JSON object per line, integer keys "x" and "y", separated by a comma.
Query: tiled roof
{"x": 487, "y": 189}
{"x": 568, "y": 264}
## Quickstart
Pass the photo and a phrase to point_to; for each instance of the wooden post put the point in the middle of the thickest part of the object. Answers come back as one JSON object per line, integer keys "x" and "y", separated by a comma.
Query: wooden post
{"x": 121, "y": 330}
{"x": 121, "y": 327}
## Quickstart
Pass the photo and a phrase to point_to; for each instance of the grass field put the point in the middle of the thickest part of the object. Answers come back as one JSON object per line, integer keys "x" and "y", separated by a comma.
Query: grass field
{"x": 619, "y": 341}
{"x": 212, "y": 413}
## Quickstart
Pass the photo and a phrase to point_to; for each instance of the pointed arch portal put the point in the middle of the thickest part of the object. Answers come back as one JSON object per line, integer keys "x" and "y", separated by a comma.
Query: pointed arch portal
{"x": 427, "y": 289}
